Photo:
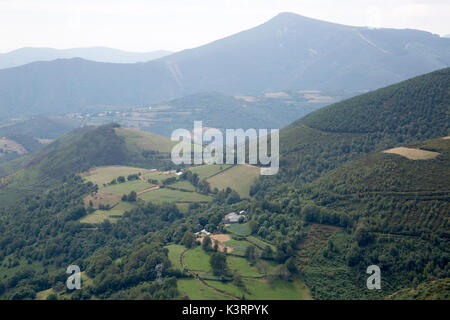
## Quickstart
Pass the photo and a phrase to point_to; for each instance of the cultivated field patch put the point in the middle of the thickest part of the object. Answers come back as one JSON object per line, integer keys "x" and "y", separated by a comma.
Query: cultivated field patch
{"x": 104, "y": 175}
{"x": 239, "y": 178}
{"x": 169, "y": 195}
{"x": 413, "y": 154}
{"x": 7, "y": 145}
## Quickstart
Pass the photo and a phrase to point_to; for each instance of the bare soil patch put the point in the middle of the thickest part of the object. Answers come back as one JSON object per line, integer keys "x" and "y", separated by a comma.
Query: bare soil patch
{"x": 413, "y": 154}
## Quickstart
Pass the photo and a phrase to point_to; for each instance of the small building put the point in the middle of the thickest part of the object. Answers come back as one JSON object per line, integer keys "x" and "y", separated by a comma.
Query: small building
{"x": 202, "y": 232}
{"x": 233, "y": 217}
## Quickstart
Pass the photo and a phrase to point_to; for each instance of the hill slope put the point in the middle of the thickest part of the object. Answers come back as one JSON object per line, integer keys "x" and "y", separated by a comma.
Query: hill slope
{"x": 412, "y": 110}
{"x": 79, "y": 151}
{"x": 388, "y": 210}
{"x": 287, "y": 52}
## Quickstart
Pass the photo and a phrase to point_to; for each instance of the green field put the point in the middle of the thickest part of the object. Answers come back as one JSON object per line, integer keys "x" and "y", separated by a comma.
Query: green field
{"x": 183, "y": 184}
{"x": 206, "y": 171}
{"x": 242, "y": 266}
{"x": 174, "y": 254}
{"x": 157, "y": 175}
{"x": 238, "y": 246}
{"x": 102, "y": 175}
{"x": 238, "y": 178}
{"x": 141, "y": 140}
{"x": 99, "y": 216}
{"x": 167, "y": 195}
{"x": 196, "y": 259}
{"x": 263, "y": 289}
{"x": 195, "y": 290}
{"x": 127, "y": 187}
{"x": 260, "y": 243}
{"x": 240, "y": 229}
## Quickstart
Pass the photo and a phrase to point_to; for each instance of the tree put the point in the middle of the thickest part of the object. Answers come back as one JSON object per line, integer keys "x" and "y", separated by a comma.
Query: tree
{"x": 267, "y": 253}
{"x": 253, "y": 225}
{"x": 132, "y": 196}
{"x": 250, "y": 253}
{"x": 216, "y": 245}
{"x": 233, "y": 197}
{"x": 188, "y": 239}
{"x": 218, "y": 263}
{"x": 290, "y": 265}
{"x": 207, "y": 243}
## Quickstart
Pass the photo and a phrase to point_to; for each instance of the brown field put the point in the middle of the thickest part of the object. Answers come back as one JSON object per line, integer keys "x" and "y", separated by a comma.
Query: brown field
{"x": 413, "y": 154}
{"x": 246, "y": 98}
{"x": 147, "y": 190}
{"x": 280, "y": 94}
{"x": 44, "y": 141}
{"x": 11, "y": 145}
{"x": 103, "y": 198}
{"x": 221, "y": 237}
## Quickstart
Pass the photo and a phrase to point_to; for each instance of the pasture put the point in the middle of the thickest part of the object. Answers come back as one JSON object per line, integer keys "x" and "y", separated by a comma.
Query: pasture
{"x": 238, "y": 178}
{"x": 240, "y": 229}
{"x": 127, "y": 187}
{"x": 104, "y": 175}
{"x": 197, "y": 260}
{"x": 196, "y": 290}
{"x": 206, "y": 171}
{"x": 98, "y": 216}
{"x": 142, "y": 140}
{"x": 168, "y": 195}
{"x": 175, "y": 251}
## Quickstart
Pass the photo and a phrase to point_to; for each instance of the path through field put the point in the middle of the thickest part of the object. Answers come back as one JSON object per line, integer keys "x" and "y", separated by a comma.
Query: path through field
{"x": 147, "y": 190}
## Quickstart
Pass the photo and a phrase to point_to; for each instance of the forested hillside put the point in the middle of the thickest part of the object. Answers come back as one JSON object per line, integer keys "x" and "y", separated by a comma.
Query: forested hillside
{"x": 390, "y": 210}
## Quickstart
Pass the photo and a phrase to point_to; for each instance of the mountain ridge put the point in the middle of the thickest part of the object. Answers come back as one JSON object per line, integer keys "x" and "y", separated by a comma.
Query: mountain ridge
{"x": 26, "y": 55}
{"x": 287, "y": 52}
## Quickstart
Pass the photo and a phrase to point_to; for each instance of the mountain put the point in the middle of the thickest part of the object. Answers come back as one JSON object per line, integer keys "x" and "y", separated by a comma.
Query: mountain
{"x": 101, "y": 54}
{"x": 287, "y": 52}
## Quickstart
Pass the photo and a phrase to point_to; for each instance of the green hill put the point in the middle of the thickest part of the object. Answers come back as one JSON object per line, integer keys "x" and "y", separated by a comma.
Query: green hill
{"x": 388, "y": 209}
{"x": 79, "y": 151}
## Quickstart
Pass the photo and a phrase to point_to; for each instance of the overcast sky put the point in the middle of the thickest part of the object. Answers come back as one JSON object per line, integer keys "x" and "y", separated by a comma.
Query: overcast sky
{"x": 146, "y": 25}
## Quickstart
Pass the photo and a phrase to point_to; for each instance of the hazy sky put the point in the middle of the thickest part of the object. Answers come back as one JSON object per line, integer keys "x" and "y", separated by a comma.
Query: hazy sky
{"x": 145, "y": 25}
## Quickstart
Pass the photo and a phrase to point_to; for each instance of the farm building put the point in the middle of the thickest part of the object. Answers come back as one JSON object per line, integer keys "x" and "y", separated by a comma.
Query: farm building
{"x": 233, "y": 217}
{"x": 202, "y": 231}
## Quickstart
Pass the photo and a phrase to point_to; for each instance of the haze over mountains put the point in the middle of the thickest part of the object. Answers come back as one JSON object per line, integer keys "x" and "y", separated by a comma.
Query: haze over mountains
{"x": 101, "y": 54}
{"x": 287, "y": 52}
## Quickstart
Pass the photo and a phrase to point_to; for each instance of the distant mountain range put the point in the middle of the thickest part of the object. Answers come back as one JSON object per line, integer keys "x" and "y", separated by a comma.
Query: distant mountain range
{"x": 101, "y": 54}
{"x": 287, "y": 52}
